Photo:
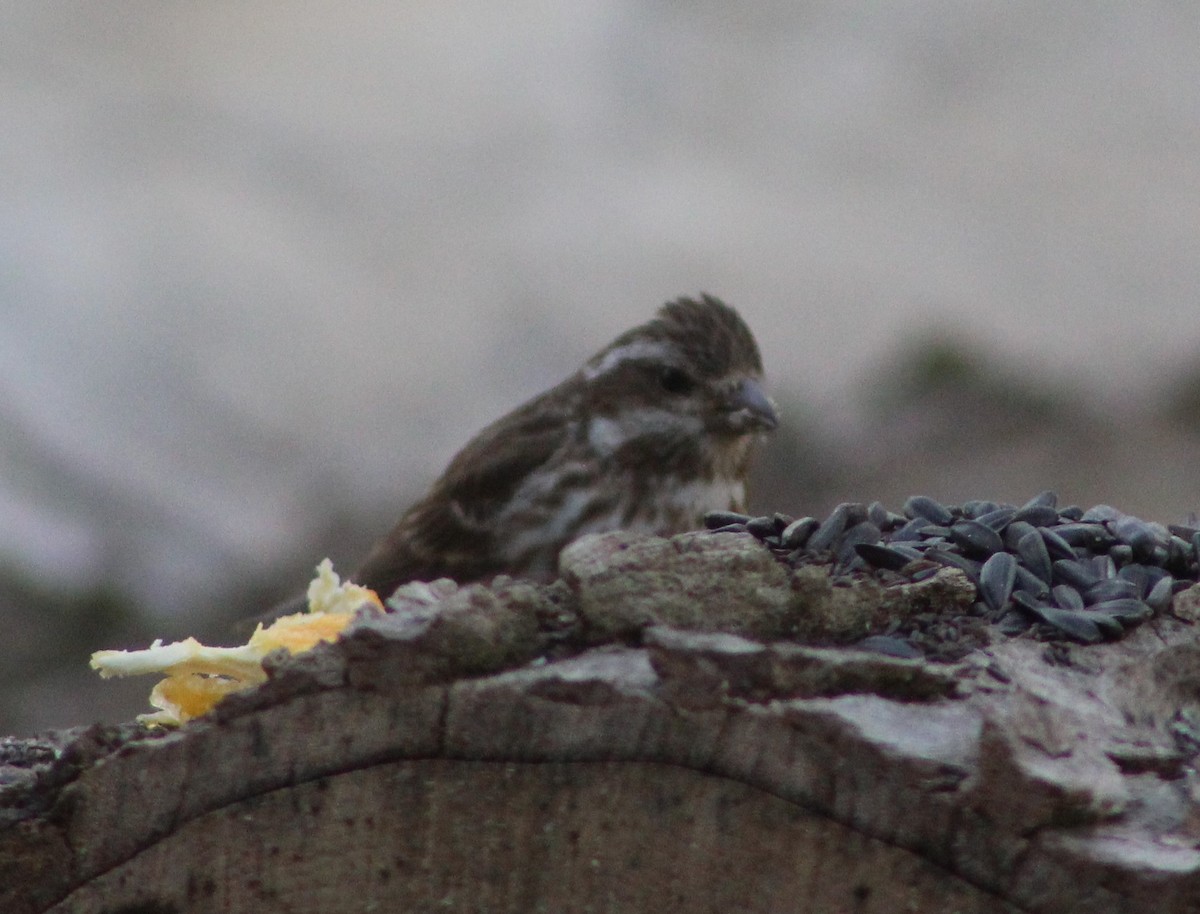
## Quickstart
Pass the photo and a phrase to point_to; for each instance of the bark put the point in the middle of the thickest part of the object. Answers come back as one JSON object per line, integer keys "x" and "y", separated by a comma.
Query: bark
{"x": 575, "y": 748}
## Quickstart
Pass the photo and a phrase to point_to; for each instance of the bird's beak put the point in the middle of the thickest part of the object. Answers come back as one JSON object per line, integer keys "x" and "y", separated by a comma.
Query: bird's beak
{"x": 752, "y": 407}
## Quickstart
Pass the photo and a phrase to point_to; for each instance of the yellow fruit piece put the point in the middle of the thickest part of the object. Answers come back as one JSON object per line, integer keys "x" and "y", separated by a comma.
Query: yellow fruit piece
{"x": 197, "y": 676}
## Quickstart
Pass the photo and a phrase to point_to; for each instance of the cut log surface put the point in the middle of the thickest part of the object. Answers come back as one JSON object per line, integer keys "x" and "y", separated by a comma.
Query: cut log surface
{"x": 644, "y": 735}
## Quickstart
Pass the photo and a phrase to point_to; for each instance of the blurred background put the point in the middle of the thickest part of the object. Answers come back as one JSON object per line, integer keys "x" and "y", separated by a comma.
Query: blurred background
{"x": 264, "y": 267}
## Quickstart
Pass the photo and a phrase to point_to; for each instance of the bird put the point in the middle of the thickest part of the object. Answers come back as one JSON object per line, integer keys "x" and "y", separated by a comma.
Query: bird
{"x": 652, "y": 432}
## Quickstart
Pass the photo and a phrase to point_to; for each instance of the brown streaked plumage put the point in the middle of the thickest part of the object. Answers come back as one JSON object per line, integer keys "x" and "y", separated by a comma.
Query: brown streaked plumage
{"x": 652, "y": 432}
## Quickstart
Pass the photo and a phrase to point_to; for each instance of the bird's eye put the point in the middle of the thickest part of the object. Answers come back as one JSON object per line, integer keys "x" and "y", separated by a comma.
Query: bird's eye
{"x": 675, "y": 381}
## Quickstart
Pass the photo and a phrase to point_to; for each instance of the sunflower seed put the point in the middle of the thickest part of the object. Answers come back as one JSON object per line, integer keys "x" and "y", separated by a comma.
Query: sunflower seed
{"x": 1058, "y": 547}
{"x": 890, "y": 557}
{"x": 1032, "y": 550}
{"x": 730, "y": 528}
{"x": 1091, "y": 536}
{"x": 1138, "y": 575}
{"x": 1015, "y": 531}
{"x": 1160, "y": 594}
{"x": 1030, "y": 583}
{"x": 1138, "y": 534}
{"x": 954, "y": 560}
{"x": 1121, "y": 554}
{"x": 911, "y": 531}
{"x": 975, "y": 538}
{"x": 716, "y": 519}
{"x": 1100, "y": 513}
{"x": 1077, "y": 625}
{"x": 1110, "y": 589}
{"x": 761, "y": 526}
{"x": 880, "y": 516}
{"x": 796, "y": 533}
{"x": 1038, "y": 515}
{"x": 1104, "y": 566}
{"x": 1122, "y": 610}
{"x": 923, "y": 506}
{"x": 892, "y": 647}
{"x": 997, "y": 519}
{"x": 1075, "y": 573}
{"x": 975, "y": 507}
{"x": 997, "y": 578}
{"x": 1067, "y": 597}
{"x": 828, "y": 533}
{"x": 1049, "y": 498}
{"x": 865, "y": 532}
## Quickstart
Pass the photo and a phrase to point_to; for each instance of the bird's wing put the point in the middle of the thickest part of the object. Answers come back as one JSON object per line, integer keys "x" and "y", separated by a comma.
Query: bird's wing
{"x": 448, "y": 533}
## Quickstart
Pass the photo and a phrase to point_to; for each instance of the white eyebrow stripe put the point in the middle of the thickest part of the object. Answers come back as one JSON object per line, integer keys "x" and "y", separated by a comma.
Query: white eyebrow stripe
{"x": 639, "y": 350}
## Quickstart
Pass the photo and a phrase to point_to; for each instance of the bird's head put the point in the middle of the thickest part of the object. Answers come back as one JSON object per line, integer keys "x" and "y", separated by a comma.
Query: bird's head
{"x": 692, "y": 374}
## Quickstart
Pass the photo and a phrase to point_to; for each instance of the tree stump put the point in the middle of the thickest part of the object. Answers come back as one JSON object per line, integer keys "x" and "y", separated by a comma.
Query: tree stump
{"x": 645, "y": 735}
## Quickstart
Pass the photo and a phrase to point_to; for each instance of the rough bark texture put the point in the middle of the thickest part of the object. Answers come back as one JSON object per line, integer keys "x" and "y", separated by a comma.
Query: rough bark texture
{"x": 495, "y": 749}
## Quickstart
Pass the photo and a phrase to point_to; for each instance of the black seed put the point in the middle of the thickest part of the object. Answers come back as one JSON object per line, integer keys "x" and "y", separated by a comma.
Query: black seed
{"x": 974, "y": 508}
{"x": 1110, "y": 625}
{"x": 1067, "y": 597}
{"x": 730, "y": 528}
{"x": 1056, "y": 545}
{"x": 781, "y": 521}
{"x": 1179, "y": 554}
{"x": 1033, "y": 552}
{"x": 1077, "y": 625}
{"x": 1013, "y": 623}
{"x": 1123, "y": 610}
{"x": 923, "y": 506}
{"x": 1154, "y": 574}
{"x": 922, "y": 574}
{"x": 1071, "y": 513}
{"x": 997, "y": 578}
{"x": 1144, "y": 538}
{"x": 1121, "y": 554}
{"x": 865, "y": 532}
{"x": 911, "y": 531}
{"x": 892, "y": 647}
{"x": 1075, "y": 573}
{"x": 1183, "y": 531}
{"x": 761, "y": 526}
{"x": 997, "y": 519}
{"x": 1038, "y": 515}
{"x": 954, "y": 560}
{"x": 1138, "y": 575}
{"x": 1048, "y": 498}
{"x": 888, "y": 557}
{"x": 1092, "y": 536}
{"x": 1100, "y": 513}
{"x": 1110, "y": 589}
{"x": 826, "y": 535}
{"x": 1028, "y": 582}
{"x": 713, "y": 520}
{"x": 1014, "y": 532}
{"x": 1104, "y": 566}
{"x": 796, "y": 533}
{"x": 933, "y": 531}
{"x": 975, "y": 538}
{"x": 1159, "y": 597}
{"x": 880, "y": 516}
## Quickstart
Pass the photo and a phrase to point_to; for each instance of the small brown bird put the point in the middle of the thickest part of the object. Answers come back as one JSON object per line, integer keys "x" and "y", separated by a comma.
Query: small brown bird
{"x": 654, "y": 430}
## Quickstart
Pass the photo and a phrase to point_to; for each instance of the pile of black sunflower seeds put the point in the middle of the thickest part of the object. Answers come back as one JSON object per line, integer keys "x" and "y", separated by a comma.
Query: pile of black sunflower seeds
{"x": 1085, "y": 575}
